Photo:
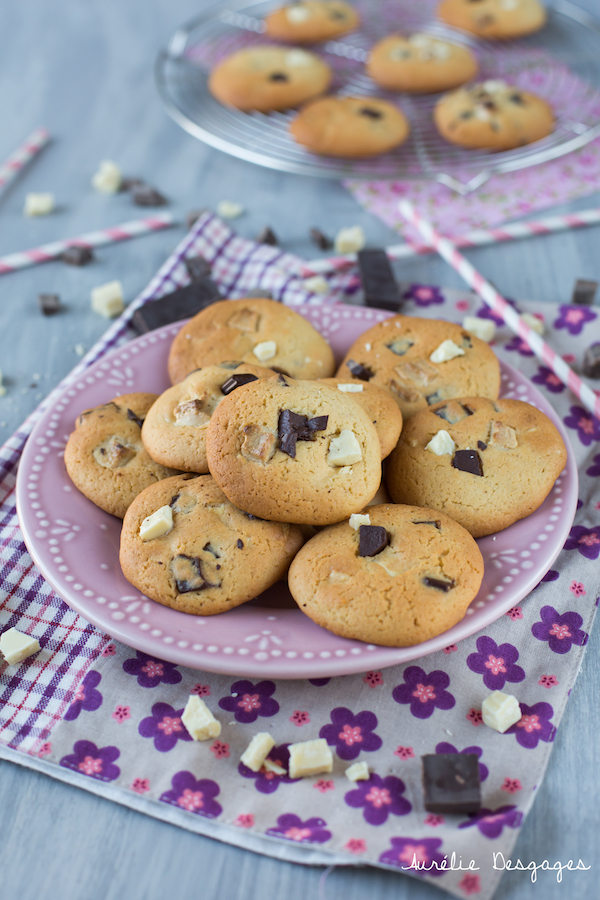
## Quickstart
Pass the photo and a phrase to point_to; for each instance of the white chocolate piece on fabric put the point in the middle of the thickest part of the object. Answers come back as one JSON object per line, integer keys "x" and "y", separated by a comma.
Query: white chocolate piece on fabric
{"x": 359, "y": 771}
{"x": 500, "y": 711}
{"x": 157, "y": 524}
{"x": 265, "y": 350}
{"x": 199, "y": 721}
{"x": 350, "y": 240}
{"x": 358, "y": 519}
{"x": 257, "y": 751}
{"x": 228, "y": 209}
{"x": 344, "y": 450}
{"x": 271, "y": 766}
{"x": 16, "y": 646}
{"x": 316, "y": 284}
{"x": 310, "y": 758}
{"x": 39, "y": 204}
{"x": 446, "y": 351}
{"x": 534, "y": 323}
{"x": 108, "y": 178}
{"x": 107, "y": 299}
{"x": 350, "y": 388}
{"x": 484, "y": 329}
{"x": 441, "y": 443}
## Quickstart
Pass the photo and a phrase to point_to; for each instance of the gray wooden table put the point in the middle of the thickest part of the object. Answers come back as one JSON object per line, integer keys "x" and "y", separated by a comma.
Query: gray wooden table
{"x": 84, "y": 70}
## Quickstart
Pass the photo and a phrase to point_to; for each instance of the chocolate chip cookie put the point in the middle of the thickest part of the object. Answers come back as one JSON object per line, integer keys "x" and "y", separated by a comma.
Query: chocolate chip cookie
{"x": 310, "y": 21}
{"x": 496, "y": 19}
{"x": 350, "y": 126}
{"x": 420, "y": 63}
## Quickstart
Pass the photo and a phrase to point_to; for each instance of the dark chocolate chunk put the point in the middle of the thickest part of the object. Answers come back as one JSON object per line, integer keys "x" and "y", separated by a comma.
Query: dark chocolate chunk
{"x": 267, "y": 236}
{"x": 197, "y": 267}
{"x": 128, "y": 184}
{"x": 451, "y": 782}
{"x": 372, "y": 539}
{"x": 337, "y": 14}
{"x": 278, "y": 76}
{"x": 237, "y": 381}
{"x": 482, "y": 445}
{"x": 146, "y": 195}
{"x": 489, "y": 104}
{"x": 281, "y": 378}
{"x": 440, "y": 584}
{"x": 434, "y": 398}
{"x": 359, "y": 371}
{"x": 591, "y": 361}
{"x": 187, "y": 572}
{"x": 174, "y": 500}
{"x": 453, "y": 412}
{"x": 468, "y": 461}
{"x": 77, "y": 256}
{"x": 584, "y": 292}
{"x": 240, "y": 544}
{"x": 181, "y": 304}
{"x": 379, "y": 284}
{"x": 210, "y": 549}
{"x": 467, "y": 114}
{"x": 49, "y": 304}
{"x": 436, "y": 523}
{"x": 131, "y": 415}
{"x": 466, "y": 341}
{"x": 400, "y": 346}
{"x": 293, "y": 427}
{"x": 320, "y": 239}
{"x": 370, "y": 113}
{"x": 516, "y": 98}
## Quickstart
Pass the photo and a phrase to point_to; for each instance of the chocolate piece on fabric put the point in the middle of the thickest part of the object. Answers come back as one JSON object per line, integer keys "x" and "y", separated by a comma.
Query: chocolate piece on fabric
{"x": 451, "y": 782}
{"x": 181, "y": 304}
{"x": 197, "y": 267}
{"x": 379, "y": 284}
{"x": 49, "y": 304}
{"x": 77, "y": 256}
{"x": 320, "y": 239}
{"x": 591, "y": 361}
{"x": 146, "y": 195}
{"x": 267, "y": 236}
{"x": 584, "y": 292}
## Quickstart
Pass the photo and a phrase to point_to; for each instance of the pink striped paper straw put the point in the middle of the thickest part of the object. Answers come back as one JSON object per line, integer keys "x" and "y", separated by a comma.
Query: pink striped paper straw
{"x": 122, "y": 232}
{"x": 476, "y": 238}
{"x": 498, "y": 304}
{"x": 22, "y": 155}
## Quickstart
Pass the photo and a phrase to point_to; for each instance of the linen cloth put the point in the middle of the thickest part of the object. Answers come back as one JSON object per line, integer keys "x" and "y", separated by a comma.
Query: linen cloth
{"x": 107, "y": 718}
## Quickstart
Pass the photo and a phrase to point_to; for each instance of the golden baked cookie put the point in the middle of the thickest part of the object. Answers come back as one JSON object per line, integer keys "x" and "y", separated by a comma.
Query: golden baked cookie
{"x": 496, "y": 19}
{"x": 379, "y": 405}
{"x": 310, "y": 21}
{"x": 420, "y": 63}
{"x": 350, "y": 126}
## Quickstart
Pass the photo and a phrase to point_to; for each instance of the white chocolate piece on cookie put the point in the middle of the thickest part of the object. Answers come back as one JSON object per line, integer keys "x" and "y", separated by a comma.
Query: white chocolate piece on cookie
{"x": 158, "y": 524}
{"x": 265, "y": 350}
{"x": 484, "y": 329}
{"x": 441, "y": 444}
{"x": 358, "y": 519}
{"x": 446, "y": 351}
{"x": 344, "y": 450}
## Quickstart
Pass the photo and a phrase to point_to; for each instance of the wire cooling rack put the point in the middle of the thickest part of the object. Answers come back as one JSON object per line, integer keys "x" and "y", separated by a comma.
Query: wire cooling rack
{"x": 561, "y": 63}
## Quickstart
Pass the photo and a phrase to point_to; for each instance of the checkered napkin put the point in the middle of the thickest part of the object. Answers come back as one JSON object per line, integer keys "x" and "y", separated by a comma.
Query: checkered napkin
{"x": 107, "y": 718}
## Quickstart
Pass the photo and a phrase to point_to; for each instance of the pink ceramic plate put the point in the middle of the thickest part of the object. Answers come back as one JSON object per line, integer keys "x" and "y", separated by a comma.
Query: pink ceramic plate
{"x": 75, "y": 544}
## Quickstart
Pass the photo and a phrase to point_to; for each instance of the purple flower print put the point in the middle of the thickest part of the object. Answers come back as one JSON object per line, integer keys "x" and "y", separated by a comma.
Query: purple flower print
{"x": 518, "y": 344}
{"x": 379, "y": 798}
{"x": 86, "y": 696}
{"x": 196, "y": 796}
{"x": 586, "y": 540}
{"x": 267, "y": 782}
{"x": 150, "y": 671}
{"x": 495, "y": 663}
{"x": 350, "y": 734}
{"x": 549, "y": 380}
{"x": 486, "y": 313}
{"x": 584, "y": 423}
{"x": 534, "y": 725}
{"x": 574, "y": 318}
{"x": 444, "y": 747}
{"x": 424, "y": 692}
{"x": 248, "y": 701}
{"x": 560, "y": 630}
{"x": 319, "y": 682}
{"x": 424, "y": 295}
{"x": 594, "y": 469}
{"x": 165, "y": 726}
{"x": 292, "y": 828}
{"x": 491, "y": 821}
{"x": 418, "y": 855}
{"x": 97, "y": 762}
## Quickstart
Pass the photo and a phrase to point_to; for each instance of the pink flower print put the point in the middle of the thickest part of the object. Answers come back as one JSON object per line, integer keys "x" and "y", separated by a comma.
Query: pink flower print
{"x": 220, "y": 749}
{"x": 90, "y": 766}
{"x": 350, "y": 735}
{"x": 574, "y": 316}
{"x": 495, "y": 664}
{"x": 373, "y": 679}
{"x": 379, "y": 797}
{"x": 244, "y": 820}
{"x": 416, "y": 852}
{"x": 511, "y": 785}
{"x": 170, "y": 724}
{"x": 529, "y": 723}
{"x": 97, "y": 762}
{"x": 548, "y": 681}
{"x": 249, "y": 702}
{"x": 404, "y": 752}
{"x": 109, "y": 650}
{"x": 470, "y": 884}
{"x": 514, "y": 613}
{"x": 153, "y": 669}
{"x": 140, "y": 785}
{"x": 434, "y": 820}
{"x": 299, "y": 718}
{"x": 191, "y": 800}
{"x": 201, "y": 690}
{"x": 79, "y": 693}
{"x": 424, "y": 692}
{"x": 462, "y": 305}
{"x": 355, "y": 845}
{"x": 121, "y": 714}
{"x": 323, "y": 786}
{"x": 589, "y": 540}
{"x": 451, "y": 648}
{"x": 297, "y": 834}
{"x": 475, "y": 717}
{"x": 560, "y": 631}
{"x": 45, "y": 749}
{"x": 569, "y": 358}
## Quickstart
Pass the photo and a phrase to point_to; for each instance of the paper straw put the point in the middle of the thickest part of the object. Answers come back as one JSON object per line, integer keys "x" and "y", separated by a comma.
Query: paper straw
{"x": 476, "y": 238}
{"x": 122, "y": 232}
{"x": 498, "y": 304}
{"x": 22, "y": 155}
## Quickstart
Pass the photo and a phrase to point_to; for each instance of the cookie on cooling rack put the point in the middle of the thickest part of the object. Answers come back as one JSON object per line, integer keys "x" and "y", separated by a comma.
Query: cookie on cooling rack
{"x": 350, "y": 126}
{"x": 310, "y": 21}
{"x": 496, "y": 19}
{"x": 493, "y": 115}
{"x": 486, "y": 463}
{"x": 379, "y": 405}
{"x": 403, "y": 576}
{"x": 105, "y": 457}
{"x": 202, "y": 555}
{"x": 266, "y": 78}
{"x": 420, "y": 63}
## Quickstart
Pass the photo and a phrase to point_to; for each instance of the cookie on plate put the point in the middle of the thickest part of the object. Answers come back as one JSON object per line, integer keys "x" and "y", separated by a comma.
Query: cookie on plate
{"x": 379, "y": 405}
{"x": 493, "y": 115}
{"x": 486, "y": 463}
{"x": 267, "y": 78}
{"x": 350, "y": 126}
{"x": 174, "y": 431}
{"x": 257, "y": 331}
{"x": 400, "y": 577}
{"x": 422, "y": 361}
{"x": 420, "y": 63}
{"x": 205, "y": 556}
{"x": 310, "y": 21}
{"x": 294, "y": 451}
{"x": 105, "y": 457}
{"x": 496, "y": 19}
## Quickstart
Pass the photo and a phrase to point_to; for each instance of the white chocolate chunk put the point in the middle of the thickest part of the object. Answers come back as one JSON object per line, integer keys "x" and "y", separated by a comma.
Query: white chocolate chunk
{"x": 509, "y": 4}
{"x": 16, "y": 646}
{"x": 227, "y": 209}
{"x": 265, "y": 350}
{"x": 344, "y": 450}
{"x": 484, "y": 329}
{"x": 420, "y": 40}
{"x": 447, "y": 350}
{"x": 358, "y": 772}
{"x": 108, "y": 178}
{"x": 350, "y": 240}
{"x": 357, "y": 519}
{"x": 441, "y": 50}
{"x": 500, "y": 711}
{"x": 257, "y": 751}
{"x": 482, "y": 113}
{"x": 295, "y": 14}
{"x": 270, "y": 766}
{"x": 336, "y": 577}
{"x": 107, "y": 299}
{"x": 158, "y": 524}
{"x": 441, "y": 444}
{"x": 350, "y": 388}
{"x": 494, "y": 85}
{"x": 345, "y": 470}
{"x": 38, "y": 204}
{"x": 296, "y": 58}
{"x": 534, "y": 323}
{"x": 316, "y": 284}
{"x": 310, "y": 758}
{"x": 199, "y": 721}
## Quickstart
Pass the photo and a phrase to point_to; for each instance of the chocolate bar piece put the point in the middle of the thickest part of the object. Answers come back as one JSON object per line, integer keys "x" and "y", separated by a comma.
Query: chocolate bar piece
{"x": 372, "y": 539}
{"x": 128, "y": 184}
{"x": 267, "y": 236}
{"x": 197, "y": 267}
{"x": 146, "y": 195}
{"x": 294, "y": 427}
{"x": 132, "y": 416}
{"x": 237, "y": 381}
{"x": 181, "y": 304}
{"x": 468, "y": 461}
{"x": 77, "y": 256}
{"x": 379, "y": 284}
{"x": 584, "y": 292}
{"x": 451, "y": 782}
{"x": 49, "y": 304}
{"x": 320, "y": 239}
{"x": 591, "y": 361}
{"x": 440, "y": 584}
{"x": 359, "y": 371}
